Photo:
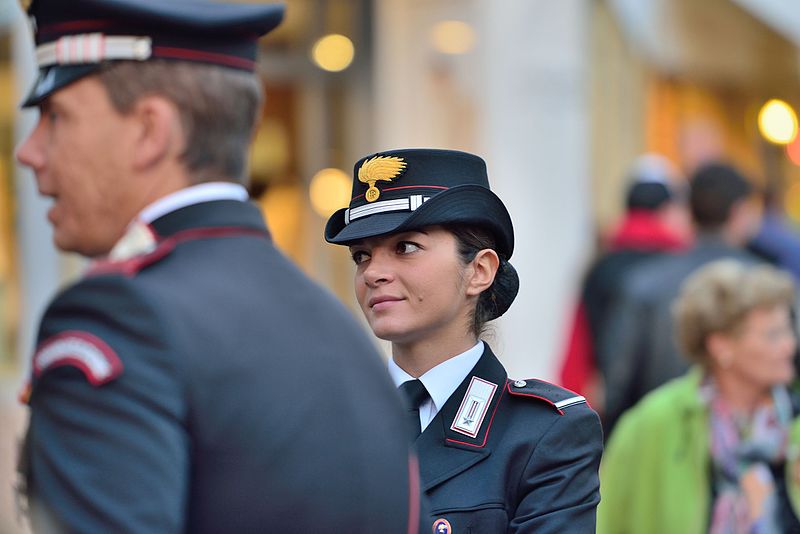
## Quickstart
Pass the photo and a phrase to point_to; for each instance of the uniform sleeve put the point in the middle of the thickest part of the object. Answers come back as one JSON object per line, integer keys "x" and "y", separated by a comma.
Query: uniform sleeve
{"x": 109, "y": 457}
{"x": 560, "y": 483}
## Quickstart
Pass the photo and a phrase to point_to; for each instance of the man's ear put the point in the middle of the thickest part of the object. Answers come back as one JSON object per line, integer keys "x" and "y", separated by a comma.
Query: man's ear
{"x": 484, "y": 268}
{"x": 158, "y": 131}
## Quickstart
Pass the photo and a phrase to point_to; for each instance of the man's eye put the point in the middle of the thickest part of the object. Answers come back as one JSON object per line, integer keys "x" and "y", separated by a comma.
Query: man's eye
{"x": 406, "y": 247}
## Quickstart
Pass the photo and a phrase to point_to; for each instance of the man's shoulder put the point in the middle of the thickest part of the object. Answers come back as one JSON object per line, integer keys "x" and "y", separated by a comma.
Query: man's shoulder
{"x": 661, "y": 276}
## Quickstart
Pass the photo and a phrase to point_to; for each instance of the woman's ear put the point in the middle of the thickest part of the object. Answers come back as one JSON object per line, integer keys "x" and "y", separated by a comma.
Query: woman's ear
{"x": 484, "y": 269}
{"x": 720, "y": 348}
{"x": 158, "y": 131}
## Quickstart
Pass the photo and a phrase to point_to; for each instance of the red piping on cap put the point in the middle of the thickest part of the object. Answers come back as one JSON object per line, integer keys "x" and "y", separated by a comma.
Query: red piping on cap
{"x": 197, "y": 55}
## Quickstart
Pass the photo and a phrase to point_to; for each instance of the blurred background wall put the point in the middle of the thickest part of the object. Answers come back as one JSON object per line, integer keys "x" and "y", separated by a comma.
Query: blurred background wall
{"x": 558, "y": 97}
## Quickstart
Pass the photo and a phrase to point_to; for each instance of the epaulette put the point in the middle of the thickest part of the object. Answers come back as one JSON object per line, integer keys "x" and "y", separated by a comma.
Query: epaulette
{"x": 556, "y": 396}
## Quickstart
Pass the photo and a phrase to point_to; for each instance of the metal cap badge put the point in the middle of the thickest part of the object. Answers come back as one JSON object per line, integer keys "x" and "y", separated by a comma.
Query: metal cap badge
{"x": 385, "y": 168}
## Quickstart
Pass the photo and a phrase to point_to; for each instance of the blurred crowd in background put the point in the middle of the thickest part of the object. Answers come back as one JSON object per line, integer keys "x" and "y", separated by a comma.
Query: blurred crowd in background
{"x": 635, "y": 140}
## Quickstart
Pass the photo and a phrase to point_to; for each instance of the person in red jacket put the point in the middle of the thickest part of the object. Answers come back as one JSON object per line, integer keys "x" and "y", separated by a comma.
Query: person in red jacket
{"x": 656, "y": 220}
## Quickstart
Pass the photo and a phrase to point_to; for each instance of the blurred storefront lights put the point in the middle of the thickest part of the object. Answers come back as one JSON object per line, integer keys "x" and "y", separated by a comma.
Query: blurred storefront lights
{"x": 453, "y": 37}
{"x": 791, "y": 201}
{"x": 777, "y": 122}
{"x": 793, "y": 150}
{"x": 329, "y": 191}
{"x": 333, "y": 52}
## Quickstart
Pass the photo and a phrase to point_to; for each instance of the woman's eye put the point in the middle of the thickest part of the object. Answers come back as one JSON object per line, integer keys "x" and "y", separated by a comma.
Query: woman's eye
{"x": 359, "y": 256}
{"x": 406, "y": 247}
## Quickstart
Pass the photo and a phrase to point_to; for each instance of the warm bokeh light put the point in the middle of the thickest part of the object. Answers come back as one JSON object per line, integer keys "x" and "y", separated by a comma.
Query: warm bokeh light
{"x": 270, "y": 150}
{"x": 777, "y": 122}
{"x": 793, "y": 150}
{"x": 453, "y": 37}
{"x": 329, "y": 191}
{"x": 333, "y": 52}
{"x": 791, "y": 202}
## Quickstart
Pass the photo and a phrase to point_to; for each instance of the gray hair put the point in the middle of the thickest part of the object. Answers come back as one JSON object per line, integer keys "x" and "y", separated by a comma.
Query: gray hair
{"x": 218, "y": 109}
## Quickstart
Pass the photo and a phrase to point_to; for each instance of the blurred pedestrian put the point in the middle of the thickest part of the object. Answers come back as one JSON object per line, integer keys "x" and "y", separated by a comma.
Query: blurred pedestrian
{"x": 656, "y": 220}
{"x": 637, "y": 339}
{"x": 193, "y": 380}
{"x": 431, "y": 244}
{"x": 715, "y": 450}
{"x": 777, "y": 240}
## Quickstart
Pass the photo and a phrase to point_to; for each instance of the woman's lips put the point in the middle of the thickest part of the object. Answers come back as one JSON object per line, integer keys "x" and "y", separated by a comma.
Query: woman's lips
{"x": 382, "y": 302}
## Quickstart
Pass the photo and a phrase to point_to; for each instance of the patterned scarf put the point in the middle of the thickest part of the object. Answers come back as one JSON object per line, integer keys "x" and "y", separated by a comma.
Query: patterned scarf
{"x": 743, "y": 446}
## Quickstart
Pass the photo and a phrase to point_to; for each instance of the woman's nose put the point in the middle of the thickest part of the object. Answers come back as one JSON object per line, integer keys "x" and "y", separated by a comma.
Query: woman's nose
{"x": 378, "y": 269}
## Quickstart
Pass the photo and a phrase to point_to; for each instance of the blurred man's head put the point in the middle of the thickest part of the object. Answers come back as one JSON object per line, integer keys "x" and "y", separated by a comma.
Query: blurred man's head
{"x": 137, "y": 101}
{"x": 658, "y": 188}
{"x": 722, "y": 202}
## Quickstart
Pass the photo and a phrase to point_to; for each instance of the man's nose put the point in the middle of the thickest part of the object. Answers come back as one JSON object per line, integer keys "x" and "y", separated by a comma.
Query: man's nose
{"x": 29, "y": 153}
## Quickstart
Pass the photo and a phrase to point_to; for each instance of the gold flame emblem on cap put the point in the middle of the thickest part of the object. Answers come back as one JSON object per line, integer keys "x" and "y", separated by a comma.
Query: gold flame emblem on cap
{"x": 379, "y": 168}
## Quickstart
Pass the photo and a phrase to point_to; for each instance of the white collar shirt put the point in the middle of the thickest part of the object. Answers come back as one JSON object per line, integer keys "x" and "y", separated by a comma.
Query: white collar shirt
{"x": 440, "y": 382}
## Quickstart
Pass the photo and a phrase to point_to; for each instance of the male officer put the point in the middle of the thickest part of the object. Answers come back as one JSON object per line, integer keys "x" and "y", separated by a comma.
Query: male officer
{"x": 193, "y": 380}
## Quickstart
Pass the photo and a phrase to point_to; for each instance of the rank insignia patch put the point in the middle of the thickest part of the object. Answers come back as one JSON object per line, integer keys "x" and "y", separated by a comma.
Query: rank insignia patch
{"x": 82, "y": 350}
{"x": 473, "y": 407}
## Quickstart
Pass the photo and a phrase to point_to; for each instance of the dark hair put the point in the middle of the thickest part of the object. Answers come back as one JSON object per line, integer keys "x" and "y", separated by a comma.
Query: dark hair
{"x": 218, "y": 109}
{"x": 714, "y": 190}
{"x": 648, "y": 196}
{"x": 496, "y": 299}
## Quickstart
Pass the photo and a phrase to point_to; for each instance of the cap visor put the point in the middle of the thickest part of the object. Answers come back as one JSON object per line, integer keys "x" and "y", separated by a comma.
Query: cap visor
{"x": 465, "y": 204}
{"x": 54, "y": 78}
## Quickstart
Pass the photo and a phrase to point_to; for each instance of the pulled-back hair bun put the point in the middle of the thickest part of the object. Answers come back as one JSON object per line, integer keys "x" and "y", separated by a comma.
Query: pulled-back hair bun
{"x": 496, "y": 300}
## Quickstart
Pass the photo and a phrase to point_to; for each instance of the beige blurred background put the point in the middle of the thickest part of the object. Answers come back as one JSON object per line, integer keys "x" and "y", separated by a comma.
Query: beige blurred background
{"x": 558, "y": 96}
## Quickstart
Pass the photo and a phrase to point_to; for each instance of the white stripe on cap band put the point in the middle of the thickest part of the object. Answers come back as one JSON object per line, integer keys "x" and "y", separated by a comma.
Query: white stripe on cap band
{"x": 410, "y": 203}
{"x": 92, "y": 48}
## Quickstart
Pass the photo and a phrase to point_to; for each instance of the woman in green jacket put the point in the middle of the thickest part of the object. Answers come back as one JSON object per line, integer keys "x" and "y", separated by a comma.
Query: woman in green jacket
{"x": 715, "y": 450}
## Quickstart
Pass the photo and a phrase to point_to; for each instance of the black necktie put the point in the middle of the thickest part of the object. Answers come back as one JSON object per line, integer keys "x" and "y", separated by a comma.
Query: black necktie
{"x": 414, "y": 393}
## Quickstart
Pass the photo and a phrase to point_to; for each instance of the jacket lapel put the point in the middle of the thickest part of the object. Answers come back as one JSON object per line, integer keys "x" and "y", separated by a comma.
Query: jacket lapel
{"x": 458, "y": 437}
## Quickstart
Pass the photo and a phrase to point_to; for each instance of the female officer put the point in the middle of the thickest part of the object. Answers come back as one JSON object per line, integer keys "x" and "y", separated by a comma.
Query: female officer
{"x": 431, "y": 244}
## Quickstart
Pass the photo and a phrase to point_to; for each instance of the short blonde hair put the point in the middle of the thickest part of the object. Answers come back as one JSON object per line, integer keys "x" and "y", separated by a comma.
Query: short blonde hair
{"x": 718, "y": 296}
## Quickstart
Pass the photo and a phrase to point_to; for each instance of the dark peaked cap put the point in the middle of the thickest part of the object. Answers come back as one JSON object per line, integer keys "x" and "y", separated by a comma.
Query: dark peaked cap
{"x": 401, "y": 190}
{"x": 74, "y": 38}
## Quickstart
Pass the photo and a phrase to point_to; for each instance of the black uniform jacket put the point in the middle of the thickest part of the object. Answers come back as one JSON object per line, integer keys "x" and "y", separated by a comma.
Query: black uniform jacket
{"x": 531, "y": 467}
{"x": 209, "y": 386}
